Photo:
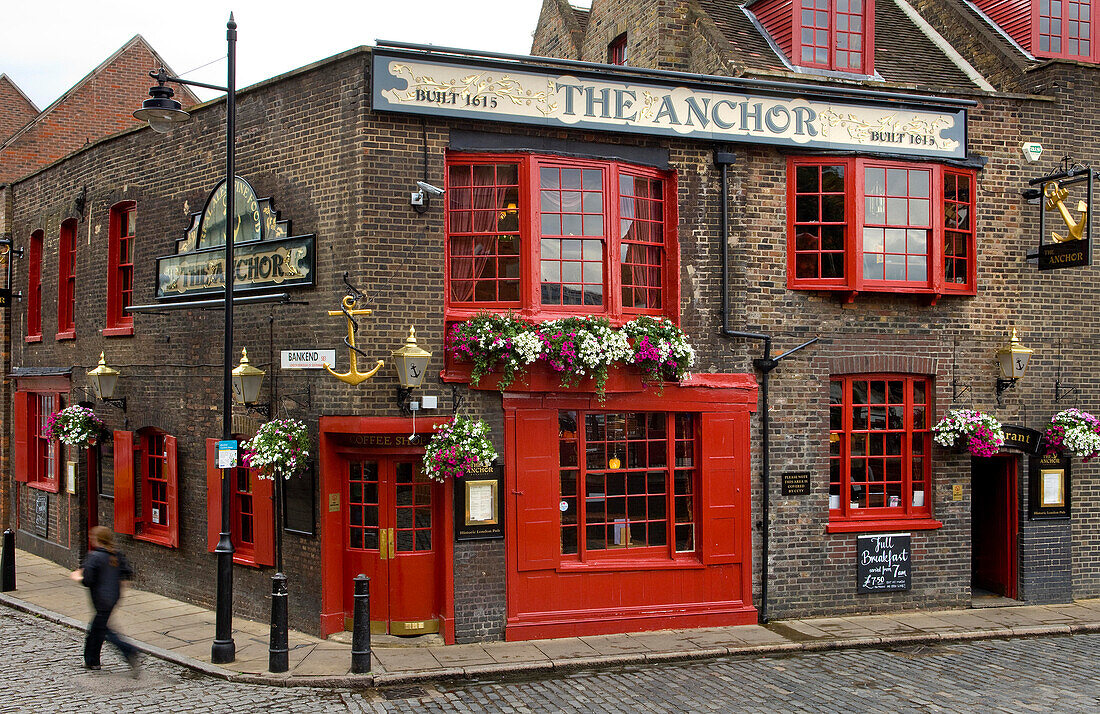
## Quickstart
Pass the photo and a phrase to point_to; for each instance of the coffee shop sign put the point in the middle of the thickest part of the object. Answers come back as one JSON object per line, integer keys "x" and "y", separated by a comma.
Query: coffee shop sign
{"x": 503, "y": 93}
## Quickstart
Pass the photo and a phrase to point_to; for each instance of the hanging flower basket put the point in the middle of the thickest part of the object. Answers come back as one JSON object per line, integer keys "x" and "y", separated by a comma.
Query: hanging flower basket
{"x": 976, "y": 432}
{"x": 1075, "y": 433}
{"x": 457, "y": 448}
{"x": 75, "y": 426}
{"x": 279, "y": 448}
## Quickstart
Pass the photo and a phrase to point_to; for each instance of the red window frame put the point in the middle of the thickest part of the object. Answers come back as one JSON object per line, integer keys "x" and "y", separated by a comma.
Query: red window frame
{"x": 527, "y": 216}
{"x": 66, "y": 281}
{"x": 814, "y": 228}
{"x": 259, "y": 504}
{"x": 880, "y": 452}
{"x": 147, "y": 477}
{"x": 1059, "y": 30}
{"x": 616, "y": 51}
{"x": 120, "y": 269}
{"x": 34, "y": 287}
{"x": 825, "y": 27}
{"x": 243, "y": 512}
{"x": 630, "y": 511}
{"x": 36, "y": 459}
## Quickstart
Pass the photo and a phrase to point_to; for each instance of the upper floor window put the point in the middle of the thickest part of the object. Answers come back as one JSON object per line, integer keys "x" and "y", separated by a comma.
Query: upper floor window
{"x": 870, "y": 225}
{"x": 880, "y": 449}
{"x": 120, "y": 269}
{"x": 548, "y": 235}
{"x": 1064, "y": 28}
{"x": 616, "y": 50}
{"x": 34, "y": 287}
{"x": 66, "y": 281}
{"x": 834, "y": 34}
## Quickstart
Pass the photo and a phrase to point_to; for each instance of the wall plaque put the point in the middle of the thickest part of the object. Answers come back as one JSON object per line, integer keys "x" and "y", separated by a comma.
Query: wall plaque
{"x": 479, "y": 508}
{"x": 883, "y": 563}
{"x": 796, "y": 483}
{"x": 1048, "y": 487}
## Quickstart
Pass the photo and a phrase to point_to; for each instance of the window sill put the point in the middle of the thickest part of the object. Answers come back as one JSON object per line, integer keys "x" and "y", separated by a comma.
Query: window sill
{"x": 540, "y": 377}
{"x": 873, "y": 525}
{"x": 604, "y": 566}
{"x": 66, "y": 335}
{"x": 164, "y": 539}
{"x": 246, "y": 559}
{"x": 32, "y": 338}
{"x": 120, "y": 331}
{"x": 48, "y": 486}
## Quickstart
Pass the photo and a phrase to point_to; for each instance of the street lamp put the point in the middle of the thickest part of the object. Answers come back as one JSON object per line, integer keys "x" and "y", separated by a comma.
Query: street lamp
{"x": 103, "y": 380}
{"x": 163, "y": 113}
{"x": 1013, "y": 359}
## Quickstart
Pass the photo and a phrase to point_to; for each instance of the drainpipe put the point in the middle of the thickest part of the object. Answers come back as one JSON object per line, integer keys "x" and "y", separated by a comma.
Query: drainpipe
{"x": 765, "y": 364}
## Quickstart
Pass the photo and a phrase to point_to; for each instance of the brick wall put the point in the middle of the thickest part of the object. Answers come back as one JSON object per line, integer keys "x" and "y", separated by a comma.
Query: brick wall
{"x": 15, "y": 109}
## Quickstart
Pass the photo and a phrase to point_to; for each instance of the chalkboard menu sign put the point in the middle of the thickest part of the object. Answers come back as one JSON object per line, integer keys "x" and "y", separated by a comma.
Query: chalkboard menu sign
{"x": 883, "y": 563}
{"x": 41, "y": 515}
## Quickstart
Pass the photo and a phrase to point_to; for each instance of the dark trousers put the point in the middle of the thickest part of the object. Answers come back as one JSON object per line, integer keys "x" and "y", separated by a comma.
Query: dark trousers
{"x": 97, "y": 632}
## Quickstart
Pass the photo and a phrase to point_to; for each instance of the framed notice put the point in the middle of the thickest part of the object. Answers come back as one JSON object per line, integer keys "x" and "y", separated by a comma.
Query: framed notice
{"x": 70, "y": 477}
{"x": 1049, "y": 488}
{"x": 479, "y": 510}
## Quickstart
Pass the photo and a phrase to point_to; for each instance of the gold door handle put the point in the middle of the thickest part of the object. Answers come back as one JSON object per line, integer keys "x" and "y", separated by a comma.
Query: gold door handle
{"x": 383, "y": 549}
{"x": 393, "y": 544}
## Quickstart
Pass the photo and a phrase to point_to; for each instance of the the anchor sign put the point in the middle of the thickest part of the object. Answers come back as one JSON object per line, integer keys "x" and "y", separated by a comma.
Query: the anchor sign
{"x": 1056, "y": 196}
{"x": 353, "y": 376}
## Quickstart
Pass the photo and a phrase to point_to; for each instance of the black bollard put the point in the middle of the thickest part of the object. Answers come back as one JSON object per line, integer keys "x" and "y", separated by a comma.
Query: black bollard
{"x": 278, "y": 650}
{"x": 360, "y": 626}
{"x": 7, "y": 567}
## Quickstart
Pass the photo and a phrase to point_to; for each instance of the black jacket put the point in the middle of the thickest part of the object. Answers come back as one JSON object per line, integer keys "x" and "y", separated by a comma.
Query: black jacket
{"x": 103, "y": 570}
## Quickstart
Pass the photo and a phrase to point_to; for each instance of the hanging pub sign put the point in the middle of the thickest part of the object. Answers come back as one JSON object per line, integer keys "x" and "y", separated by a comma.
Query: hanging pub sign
{"x": 479, "y": 508}
{"x": 1065, "y": 203}
{"x": 265, "y": 257}
{"x": 421, "y": 82}
{"x": 1026, "y": 440}
{"x": 1048, "y": 487}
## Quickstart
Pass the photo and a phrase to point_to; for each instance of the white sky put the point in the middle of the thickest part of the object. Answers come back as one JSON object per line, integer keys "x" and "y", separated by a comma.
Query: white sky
{"x": 47, "y": 46}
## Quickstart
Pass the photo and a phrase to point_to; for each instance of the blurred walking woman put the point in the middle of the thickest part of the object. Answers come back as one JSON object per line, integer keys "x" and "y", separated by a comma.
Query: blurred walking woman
{"x": 105, "y": 567}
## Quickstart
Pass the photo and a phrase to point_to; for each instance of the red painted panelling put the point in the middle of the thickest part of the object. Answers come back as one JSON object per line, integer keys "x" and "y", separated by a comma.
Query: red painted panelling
{"x": 778, "y": 19}
{"x": 1013, "y": 16}
{"x": 124, "y": 482}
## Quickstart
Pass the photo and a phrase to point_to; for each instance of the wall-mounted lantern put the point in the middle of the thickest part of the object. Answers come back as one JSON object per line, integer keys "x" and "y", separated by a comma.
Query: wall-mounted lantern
{"x": 1013, "y": 359}
{"x": 411, "y": 364}
{"x": 104, "y": 379}
{"x": 246, "y": 386}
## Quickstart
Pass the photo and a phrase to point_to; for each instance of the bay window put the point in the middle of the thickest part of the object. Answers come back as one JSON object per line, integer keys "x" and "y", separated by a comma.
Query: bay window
{"x": 553, "y": 236}
{"x": 885, "y": 226}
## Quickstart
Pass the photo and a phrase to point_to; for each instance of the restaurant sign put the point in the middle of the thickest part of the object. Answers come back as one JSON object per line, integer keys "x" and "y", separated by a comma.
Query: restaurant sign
{"x": 497, "y": 91}
{"x": 264, "y": 256}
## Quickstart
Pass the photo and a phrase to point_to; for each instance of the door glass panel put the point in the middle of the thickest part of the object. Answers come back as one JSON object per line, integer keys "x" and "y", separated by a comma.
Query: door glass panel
{"x": 363, "y": 505}
{"x": 413, "y": 504}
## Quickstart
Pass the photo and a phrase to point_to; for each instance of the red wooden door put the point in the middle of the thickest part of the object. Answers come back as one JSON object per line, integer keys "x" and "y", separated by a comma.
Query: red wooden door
{"x": 392, "y": 535}
{"x": 993, "y": 525}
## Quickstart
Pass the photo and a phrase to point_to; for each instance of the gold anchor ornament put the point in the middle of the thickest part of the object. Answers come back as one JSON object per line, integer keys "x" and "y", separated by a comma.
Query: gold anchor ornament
{"x": 353, "y": 376}
{"x": 1056, "y": 196}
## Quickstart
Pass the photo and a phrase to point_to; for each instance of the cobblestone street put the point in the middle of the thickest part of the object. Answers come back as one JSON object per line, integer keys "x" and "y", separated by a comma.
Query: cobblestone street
{"x": 43, "y": 673}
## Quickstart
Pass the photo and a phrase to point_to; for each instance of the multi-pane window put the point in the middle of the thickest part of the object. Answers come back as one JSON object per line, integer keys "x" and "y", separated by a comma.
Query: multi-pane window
{"x": 43, "y": 450}
{"x": 120, "y": 269}
{"x": 1065, "y": 28}
{"x": 66, "y": 282}
{"x": 627, "y": 483}
{"x": 880, "y": 444}
{"x": 862, "y": 224}
{"x": 413, "y": 516}
{"x": 616, "y": 50}
{"x": 34, "y": 287}
{"x": 154, "y": 482}
{"x": 243, "y": 510}
{"x": 831, "y": 35}
{"x": 363, "y": 505}
{"x": 550, "y": 235}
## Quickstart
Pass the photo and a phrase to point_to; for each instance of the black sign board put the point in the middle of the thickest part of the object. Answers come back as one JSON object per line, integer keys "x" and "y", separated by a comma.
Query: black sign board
{"x": 796, "y": 483}
{"x": 1065, "y": 211}
{"x": 1063, "y": 255}
{"x": 1048, "y": 487}
{"x": 1020, "y": 437}
{"x": 883, "y": 563}
{"x": 41, "y": 515}
{"x": 479, "y": 504}
{"x": 300, "y": 501}
{"x": 5, "y": 297}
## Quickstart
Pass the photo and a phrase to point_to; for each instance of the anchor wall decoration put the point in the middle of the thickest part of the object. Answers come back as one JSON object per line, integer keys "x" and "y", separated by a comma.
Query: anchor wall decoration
{"x": 1056, "y": 196}
{"x": 347, "y": 308}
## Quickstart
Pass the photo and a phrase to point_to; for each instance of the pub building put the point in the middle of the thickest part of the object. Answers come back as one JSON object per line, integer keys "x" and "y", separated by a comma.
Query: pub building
{"x": 875, "y": 182}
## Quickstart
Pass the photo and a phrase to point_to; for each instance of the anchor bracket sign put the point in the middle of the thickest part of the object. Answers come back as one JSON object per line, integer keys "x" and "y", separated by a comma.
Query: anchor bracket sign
{"x": 1073, "y": 247}
{"x": 353, "y": 376}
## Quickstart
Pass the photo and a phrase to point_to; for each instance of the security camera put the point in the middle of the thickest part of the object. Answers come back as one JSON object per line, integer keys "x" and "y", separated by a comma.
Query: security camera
{"x": 429, "y": 189}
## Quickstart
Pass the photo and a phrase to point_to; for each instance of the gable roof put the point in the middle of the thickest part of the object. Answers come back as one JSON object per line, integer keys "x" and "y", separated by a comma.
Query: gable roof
{"x": 16, "y": 108}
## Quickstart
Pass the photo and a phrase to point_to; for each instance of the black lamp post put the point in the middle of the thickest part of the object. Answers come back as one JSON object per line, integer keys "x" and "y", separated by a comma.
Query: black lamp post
{"x": 163, "y": 113}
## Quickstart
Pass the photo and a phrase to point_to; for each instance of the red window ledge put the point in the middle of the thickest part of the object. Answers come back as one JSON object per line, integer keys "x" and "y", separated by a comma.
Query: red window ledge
{"x": 126, "y": 331}
{"x": 51, "y": 486}
{"x": 883, "y": 524}
{"x": 32, "y": 338}
{"x": 66, "y": 335}
{"x": 164, "y": 539}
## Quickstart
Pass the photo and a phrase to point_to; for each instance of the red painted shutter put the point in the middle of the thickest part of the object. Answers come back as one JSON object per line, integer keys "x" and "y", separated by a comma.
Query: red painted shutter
{"x": 21, "y": 443}
{"x": 213, "y": 496}
{"x": 536, "y": 447}
{"x": 172, "y": 473}
{"x": 124, "y": 482}
{"x": 722, "y": 495}
{"x": 263, "y": 519}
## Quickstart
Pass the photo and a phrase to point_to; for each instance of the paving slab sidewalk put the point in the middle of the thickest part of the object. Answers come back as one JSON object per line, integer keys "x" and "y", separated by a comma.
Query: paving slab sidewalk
{"x": 183, "y": 633}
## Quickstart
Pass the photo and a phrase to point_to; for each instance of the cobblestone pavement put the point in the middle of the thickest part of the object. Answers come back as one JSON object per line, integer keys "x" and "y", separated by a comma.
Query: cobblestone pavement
{"x": 42, "y": 673}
